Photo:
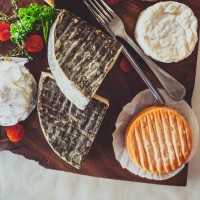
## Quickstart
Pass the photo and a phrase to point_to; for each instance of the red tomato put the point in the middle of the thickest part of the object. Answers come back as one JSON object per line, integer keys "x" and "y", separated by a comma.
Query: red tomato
{"x": 15, "y": 133}
{"x": 125, "y": 65}
{"x": 112, "y": 2}
{"x": 4, "y": 31}
{"x": 34, "y": 43}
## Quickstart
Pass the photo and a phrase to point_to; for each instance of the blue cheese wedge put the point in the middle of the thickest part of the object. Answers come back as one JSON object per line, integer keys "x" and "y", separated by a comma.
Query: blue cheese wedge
{"x": 80, "y": 56}
{"x": 69, "y": 131}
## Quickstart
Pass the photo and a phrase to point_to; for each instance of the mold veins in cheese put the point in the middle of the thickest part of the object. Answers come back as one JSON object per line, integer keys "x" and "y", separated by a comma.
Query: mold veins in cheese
{"x": 69, "y": 131}
{"x": 79, "y": 57}
{"x": 18, "y": 92}
{"x": 167, "y": 31}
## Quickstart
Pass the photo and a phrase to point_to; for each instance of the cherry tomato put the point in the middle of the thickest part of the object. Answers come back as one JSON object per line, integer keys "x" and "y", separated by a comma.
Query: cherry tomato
{"x": 34, "y": 43}
{"x": 15, "y": 133}
{"x": 4, "y": 31}
{"x": 125, "y": 65}
{"x": 112, "y": 2}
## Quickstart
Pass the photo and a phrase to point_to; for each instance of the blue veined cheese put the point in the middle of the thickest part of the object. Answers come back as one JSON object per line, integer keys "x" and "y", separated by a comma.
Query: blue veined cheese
{"x": 80, "y": 56}
{"x": 167, "y": 31}
{"x": 18, "y": 91}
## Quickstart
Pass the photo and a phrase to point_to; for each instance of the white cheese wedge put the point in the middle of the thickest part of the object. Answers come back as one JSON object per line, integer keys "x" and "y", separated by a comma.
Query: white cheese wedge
{"x": 18, "y": 91}
{"x": 167, "y": 31}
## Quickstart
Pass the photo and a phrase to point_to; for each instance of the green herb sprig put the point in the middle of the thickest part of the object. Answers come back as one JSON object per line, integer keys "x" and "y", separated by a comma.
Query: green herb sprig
{"x": 31, "y": 19}
{"x": 26, "y": 21}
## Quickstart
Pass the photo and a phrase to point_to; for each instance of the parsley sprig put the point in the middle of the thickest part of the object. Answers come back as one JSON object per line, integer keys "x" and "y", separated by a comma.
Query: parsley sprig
{"x": 31, "y": 19}
{"x": 26, "y": 21}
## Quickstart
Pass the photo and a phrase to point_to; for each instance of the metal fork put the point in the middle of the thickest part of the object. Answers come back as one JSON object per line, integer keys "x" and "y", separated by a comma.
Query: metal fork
{"x": 154, "y": 91}
{"x": 108, "y": 19}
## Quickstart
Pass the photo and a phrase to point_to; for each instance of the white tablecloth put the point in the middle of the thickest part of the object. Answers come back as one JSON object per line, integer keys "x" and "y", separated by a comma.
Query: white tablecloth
{"x": 22, "y": 179}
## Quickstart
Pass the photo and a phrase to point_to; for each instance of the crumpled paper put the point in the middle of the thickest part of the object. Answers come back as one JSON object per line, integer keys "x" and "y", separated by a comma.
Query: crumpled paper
{"x": 142, "y": 100}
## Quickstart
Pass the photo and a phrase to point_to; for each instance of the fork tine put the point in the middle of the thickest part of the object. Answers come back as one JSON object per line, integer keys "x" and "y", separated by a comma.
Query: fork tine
{"x": 96, "y": 9}
{"x": 99, "y": 18}
{"x": 110, "y": 11}
{"x": 105, "y": 12}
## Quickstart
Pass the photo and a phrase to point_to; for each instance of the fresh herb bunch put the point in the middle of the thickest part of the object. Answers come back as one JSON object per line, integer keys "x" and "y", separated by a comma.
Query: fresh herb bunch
{"x": 26, "y": 21}
{"x": 31, "y": 19}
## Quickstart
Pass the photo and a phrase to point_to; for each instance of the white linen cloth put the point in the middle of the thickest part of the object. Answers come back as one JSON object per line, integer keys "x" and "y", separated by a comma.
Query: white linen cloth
{"x": 22, "y": 179}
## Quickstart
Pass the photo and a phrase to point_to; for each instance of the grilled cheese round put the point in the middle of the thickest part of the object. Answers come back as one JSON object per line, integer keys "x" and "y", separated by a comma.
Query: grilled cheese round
{"x": 159, "y": 140}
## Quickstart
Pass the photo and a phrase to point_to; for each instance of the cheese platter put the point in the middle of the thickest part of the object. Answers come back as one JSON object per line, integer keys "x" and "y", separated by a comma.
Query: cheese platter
{"x": 118, "y": 87}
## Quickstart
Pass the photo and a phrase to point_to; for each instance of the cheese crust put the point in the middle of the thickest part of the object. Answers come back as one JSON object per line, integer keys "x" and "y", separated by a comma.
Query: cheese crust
{"x": 167, "y": 31}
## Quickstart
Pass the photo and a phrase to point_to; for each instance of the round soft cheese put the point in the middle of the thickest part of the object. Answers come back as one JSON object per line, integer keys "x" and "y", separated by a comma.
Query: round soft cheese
{"x": 159, "y": 140}
{"x": 167, "y": 31}
{"x": 18, "y": 91}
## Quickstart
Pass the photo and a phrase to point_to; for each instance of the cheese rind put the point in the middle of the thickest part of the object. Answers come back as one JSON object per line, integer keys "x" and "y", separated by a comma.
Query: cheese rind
{"x": 80, "y": 56}
{"x": 167, "y": 31}
{"x": 69, "y": 131}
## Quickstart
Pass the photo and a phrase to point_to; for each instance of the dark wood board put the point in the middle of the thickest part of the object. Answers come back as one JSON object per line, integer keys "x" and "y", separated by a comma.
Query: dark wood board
{"x": 118, "y": 87}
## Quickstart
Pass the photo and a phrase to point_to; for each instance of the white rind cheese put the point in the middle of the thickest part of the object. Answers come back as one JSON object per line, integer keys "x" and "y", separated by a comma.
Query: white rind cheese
{"x": 18, "y": 91}
{"x": 167, "y": 31}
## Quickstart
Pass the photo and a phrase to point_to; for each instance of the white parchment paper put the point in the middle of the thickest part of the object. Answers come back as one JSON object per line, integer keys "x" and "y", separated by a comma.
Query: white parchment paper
{"x": 142, "y": 100}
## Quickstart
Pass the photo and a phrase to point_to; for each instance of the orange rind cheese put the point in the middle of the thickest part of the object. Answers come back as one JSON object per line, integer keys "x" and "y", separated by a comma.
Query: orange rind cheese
{"x": 159, "y": 140}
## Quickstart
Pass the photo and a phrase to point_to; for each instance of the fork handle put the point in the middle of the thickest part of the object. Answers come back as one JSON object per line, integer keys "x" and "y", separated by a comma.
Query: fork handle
{"x": 174, "y": 89}
{"x": 154, "y": 91}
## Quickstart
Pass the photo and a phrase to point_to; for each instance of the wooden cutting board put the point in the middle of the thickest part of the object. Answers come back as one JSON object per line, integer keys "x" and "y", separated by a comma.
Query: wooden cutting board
{"x": 118, "y": 87}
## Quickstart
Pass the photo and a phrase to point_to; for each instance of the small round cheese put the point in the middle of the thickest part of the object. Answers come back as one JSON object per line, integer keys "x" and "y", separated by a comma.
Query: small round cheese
{"x": 18, "y": 91}
{"x": 167, "y": 31}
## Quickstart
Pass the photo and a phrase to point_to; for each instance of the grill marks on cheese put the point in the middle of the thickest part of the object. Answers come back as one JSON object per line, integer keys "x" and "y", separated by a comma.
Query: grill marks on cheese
{"x": 69, "y": 131}
{"x": 88, "y": 53}
{"x": 160, "y": 140}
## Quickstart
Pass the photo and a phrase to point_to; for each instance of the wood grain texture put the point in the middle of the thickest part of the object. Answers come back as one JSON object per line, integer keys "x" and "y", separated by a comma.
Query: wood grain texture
{"x": 118, "y": 87}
